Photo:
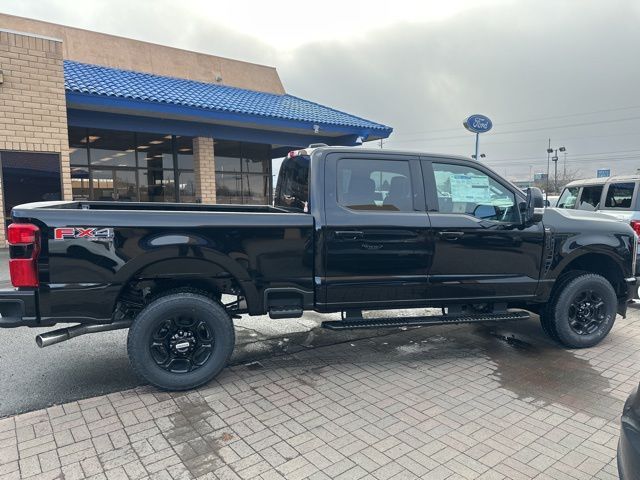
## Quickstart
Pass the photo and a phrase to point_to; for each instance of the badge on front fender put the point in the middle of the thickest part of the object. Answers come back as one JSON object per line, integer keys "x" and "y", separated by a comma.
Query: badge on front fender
{"x": 88, "y": 233}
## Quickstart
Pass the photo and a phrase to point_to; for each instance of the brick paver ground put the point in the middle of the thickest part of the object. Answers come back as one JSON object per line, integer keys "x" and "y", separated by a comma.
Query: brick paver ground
{"x": 461, "y": 402}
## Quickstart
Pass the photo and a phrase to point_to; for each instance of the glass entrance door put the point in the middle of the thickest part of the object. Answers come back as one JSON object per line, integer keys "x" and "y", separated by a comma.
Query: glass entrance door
{"x": 30, "y": 177}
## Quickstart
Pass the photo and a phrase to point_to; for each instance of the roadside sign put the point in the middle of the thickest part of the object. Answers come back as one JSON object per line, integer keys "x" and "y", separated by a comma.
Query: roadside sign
{"x": 478, "y": 123}
{"x": 604, "y": 172}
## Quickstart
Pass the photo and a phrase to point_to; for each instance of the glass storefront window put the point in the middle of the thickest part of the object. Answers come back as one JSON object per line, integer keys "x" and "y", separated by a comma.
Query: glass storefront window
{"x": 80, "y": 183}
{"x": 128, "y": 166}
{"x": 228, "y": 187}
{"x": 78, "y": 151}
{"x": 155, "y": 151}
{"x": 242, "y": 172}
{"x": 227, "y": 155}
{"x": 256, "y": 158}
{"x": 111, "y": 148}
{"x": 102, "y": 184}
{"x": 125, "y": 188}
{"x": 157, "y": 185}
{"x": 184, "y": 147}
{"x": 187, "y": 187}
{"x": 255, "y": 188}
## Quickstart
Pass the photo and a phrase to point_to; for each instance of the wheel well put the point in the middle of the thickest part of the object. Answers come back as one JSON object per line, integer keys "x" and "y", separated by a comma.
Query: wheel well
{"x": 140, "y": 291}
{"x": 601, "y": 265}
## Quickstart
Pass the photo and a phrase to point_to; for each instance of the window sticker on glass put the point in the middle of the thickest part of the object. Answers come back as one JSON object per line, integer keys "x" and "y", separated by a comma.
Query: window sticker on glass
{"x": 470, "y": 188}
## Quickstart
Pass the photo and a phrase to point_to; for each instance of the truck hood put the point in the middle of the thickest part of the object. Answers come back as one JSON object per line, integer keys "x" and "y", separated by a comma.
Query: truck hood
{"x": 578, "y": 220}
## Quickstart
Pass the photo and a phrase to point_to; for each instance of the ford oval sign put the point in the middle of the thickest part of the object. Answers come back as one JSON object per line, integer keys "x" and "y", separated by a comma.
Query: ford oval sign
{"x": 478, "y": 123}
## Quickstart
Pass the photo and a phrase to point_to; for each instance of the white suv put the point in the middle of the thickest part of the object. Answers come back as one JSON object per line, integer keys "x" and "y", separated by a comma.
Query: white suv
{"x": 616, "y": 196}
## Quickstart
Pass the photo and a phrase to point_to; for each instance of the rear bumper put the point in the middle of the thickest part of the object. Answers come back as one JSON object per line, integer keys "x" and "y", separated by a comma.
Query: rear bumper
{"x": 18, "y": 308}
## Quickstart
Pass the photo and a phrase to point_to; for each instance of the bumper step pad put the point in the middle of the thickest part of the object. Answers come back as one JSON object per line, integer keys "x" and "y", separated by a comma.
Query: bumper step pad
{"x": 363, "y": 323}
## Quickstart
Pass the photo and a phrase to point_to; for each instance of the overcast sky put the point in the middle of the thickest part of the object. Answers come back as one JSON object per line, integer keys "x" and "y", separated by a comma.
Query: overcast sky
{"x": 568, "y": 70}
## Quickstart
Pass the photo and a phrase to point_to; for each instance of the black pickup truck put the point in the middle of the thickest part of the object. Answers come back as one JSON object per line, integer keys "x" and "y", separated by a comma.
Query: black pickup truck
{"x": 350, "y": 230}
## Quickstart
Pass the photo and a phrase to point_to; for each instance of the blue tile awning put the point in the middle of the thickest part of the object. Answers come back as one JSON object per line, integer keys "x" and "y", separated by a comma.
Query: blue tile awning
{"x": 136, "y": 93}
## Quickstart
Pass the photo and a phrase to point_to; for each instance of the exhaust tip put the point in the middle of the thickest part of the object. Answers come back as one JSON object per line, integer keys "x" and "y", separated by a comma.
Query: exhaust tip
{"x": 51, "y": 338}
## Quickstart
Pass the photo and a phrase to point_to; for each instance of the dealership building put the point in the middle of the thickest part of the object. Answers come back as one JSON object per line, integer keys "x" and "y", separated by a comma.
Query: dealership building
{"x": 90, "y": 116}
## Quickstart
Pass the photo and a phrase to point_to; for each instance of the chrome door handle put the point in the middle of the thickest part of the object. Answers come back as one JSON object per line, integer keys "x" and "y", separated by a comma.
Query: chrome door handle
{"x": 349, "y": 234}
{"x": 449, "y": 235}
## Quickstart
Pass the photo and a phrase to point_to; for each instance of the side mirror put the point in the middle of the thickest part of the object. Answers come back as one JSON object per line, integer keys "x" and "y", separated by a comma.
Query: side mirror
{"x": 535, "y": 206}
{"x": 485, "y": 211}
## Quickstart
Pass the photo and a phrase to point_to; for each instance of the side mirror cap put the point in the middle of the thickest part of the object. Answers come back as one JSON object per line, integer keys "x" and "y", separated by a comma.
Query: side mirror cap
{"x": 535, "y": 206}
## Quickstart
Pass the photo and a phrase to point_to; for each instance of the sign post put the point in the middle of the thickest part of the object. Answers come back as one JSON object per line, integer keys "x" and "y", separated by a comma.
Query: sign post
{"x": 603, "y": 172}
{"x": 477, "y": 124}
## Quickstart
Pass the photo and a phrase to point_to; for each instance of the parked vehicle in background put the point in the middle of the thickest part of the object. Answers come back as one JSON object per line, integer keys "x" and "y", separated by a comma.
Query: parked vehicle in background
{"x": 617, "y": 196}
{"x": 629, "y": 443}
{"x": 350, "y": 230}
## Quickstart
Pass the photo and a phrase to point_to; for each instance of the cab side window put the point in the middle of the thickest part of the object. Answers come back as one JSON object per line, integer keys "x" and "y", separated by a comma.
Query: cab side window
{"x": 466, "y": 190}
{"x": 590, "y": 198}
{"x": 378, "y": 185}
{"x": 619, "y": 195}
{"x": 292, "y": 189}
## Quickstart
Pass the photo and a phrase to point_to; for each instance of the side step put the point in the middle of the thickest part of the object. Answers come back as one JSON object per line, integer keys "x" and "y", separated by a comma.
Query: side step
{"x": 416, "y": 321}
{"x": 286, "y": 311}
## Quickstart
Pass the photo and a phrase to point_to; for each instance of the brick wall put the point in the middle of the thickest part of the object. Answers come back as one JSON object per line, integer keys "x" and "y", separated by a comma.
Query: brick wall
{"x": 33, "y": 112}
{"x": 205, "y": 169}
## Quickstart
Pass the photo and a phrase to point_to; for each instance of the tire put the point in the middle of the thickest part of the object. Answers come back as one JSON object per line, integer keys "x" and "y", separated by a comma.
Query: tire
{"x": 581, "y": 311}
{"x": 180, "y": 341}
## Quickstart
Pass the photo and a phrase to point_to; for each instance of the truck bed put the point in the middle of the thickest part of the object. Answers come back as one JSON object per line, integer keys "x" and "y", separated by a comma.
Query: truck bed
{"x": 148, "y": 206}
{"x": 248, "y": 248}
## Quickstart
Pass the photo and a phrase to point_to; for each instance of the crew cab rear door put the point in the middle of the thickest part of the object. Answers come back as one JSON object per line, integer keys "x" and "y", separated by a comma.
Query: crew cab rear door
{"x": 375, "y": 239}
{"x": 482, "y": 250}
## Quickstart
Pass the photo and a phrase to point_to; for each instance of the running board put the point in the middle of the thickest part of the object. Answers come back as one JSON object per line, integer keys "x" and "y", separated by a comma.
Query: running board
{"x": 418, "y": 321}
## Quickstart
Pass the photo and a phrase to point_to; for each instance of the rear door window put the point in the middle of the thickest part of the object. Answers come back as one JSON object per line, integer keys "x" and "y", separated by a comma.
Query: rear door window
{"x": 569, "y": 197}
{"x": 381, "y": 185}
{"x": 590, "y": 197}
{"x": 619, "y": 195}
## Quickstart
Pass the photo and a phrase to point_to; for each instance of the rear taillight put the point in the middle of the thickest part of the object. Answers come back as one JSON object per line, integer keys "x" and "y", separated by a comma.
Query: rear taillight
{"x": 22, "y": 234}
{"x": 635, "y": 224}
{"x": 24, "y": 238}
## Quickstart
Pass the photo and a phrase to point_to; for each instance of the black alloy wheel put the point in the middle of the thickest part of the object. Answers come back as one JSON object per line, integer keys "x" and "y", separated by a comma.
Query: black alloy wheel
{"x": 181, "y": 340}
{"x": 581, "y": 311}
{"x": 182, "y": 344}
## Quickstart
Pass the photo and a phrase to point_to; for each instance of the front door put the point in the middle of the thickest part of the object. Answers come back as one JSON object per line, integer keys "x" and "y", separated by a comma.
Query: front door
{"x": 375, "y": 245}
{"x": 482, "y": 250}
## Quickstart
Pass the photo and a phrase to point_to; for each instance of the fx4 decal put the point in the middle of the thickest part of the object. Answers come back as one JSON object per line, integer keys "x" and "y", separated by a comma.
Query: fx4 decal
{"x": 89, "y": 233}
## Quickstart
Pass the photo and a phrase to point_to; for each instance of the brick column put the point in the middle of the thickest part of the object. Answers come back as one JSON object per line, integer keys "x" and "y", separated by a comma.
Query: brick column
{"x": 33, "y": 109}
{"x": 204, "y": 165}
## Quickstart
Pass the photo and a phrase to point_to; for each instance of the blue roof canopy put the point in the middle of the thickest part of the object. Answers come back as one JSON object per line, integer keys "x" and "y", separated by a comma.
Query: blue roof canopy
{"x": 94, "y": 87}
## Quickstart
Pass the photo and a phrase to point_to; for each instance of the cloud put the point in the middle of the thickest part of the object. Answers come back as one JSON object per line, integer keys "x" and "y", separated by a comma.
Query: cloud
{"x": 512, "y": 64}
{"x": 422, "y": 70}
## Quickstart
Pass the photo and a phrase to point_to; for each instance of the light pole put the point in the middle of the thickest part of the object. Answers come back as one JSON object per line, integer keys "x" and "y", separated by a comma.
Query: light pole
{"x": 555, "y": 173}
{"x": 555, "y": 162}
{"x": 555, "y": 166}
{"x": 564, "y": 169}
{"x": 549, "y": 151}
